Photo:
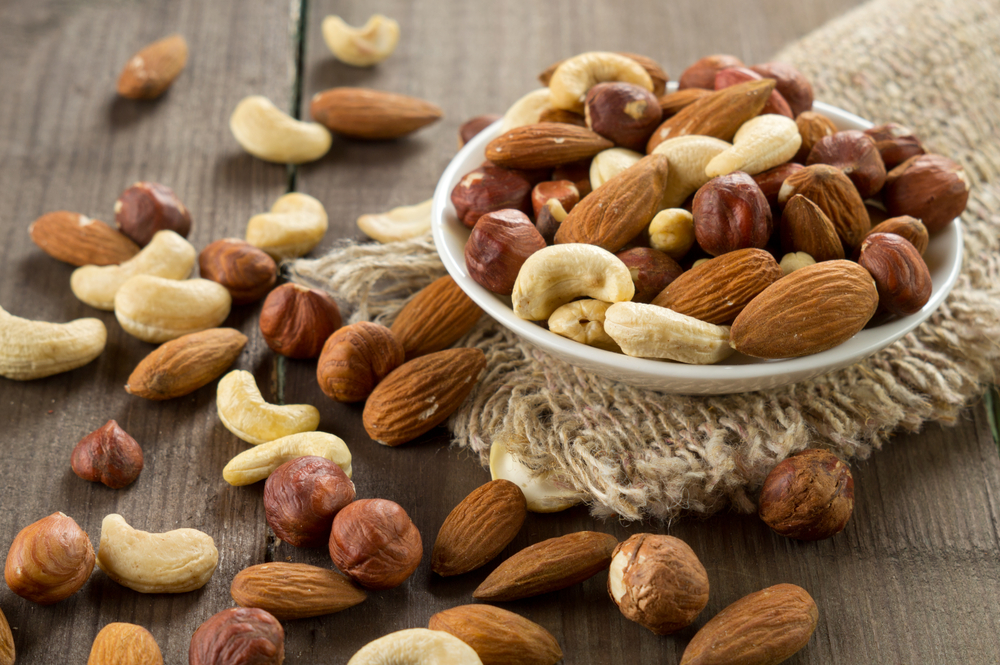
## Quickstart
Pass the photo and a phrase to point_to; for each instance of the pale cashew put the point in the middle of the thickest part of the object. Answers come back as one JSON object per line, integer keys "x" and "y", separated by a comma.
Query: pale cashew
{"x": 244, "y": 412}
{"x": 699, "y": 262}
{"x": 527, "y": 110}
{"x": 609, "y": 163}
{"x": 35, "y": 349}
{"x": 650, "y": 331}
{"x": 258, "y": 463}
{"x": 760, "y": 143}
{"x": 794, "y": 260}
{"x": 575, "y": 76}
{"x": 672, "y": 232}
{"x": 583, "y": 321}
{"x": 557, "y": 274}
{"x": 172, "y": 562}
{"x": 267, "y": 132}
{"x": 687, "y": 157}
{"x": 400, "y": 223}
{"x": 156, "y": 310}
{"x": 167, "y": 255}
{"x": 362, "y": 47}
{"x": 416, "y": 646}
{"x": 544, "y": 492}
{"x": 294, "y": 226}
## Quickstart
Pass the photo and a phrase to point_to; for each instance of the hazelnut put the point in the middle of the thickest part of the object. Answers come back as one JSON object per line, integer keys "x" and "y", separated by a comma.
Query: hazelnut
{"x": 549, "y": 218}
{"x": 296, "y": 321}
{"x": 804, "y": 227}
{"x": 563, "y": 191}
{"x": 932, "y": 188}
{"x": 910, "y": 228}
{"x": 238, "y": 636}
{"x": 302, "y": 496}
{"x": 813, "y": 127}
{"x": 623, "y": 113}
{"x": 49, "y": 560}
{"x": 702, "y": 73}
{"x": 791, "y": 83}
{"x": 836, "y": 196}
{"x": 108, "y": 455}
{"x": 473, "y": 126}
{"x": 732, "y": 75}
{"x": 489, "y": 188}
{"x": 895, "y": 143}
{"x": 658, "y": 582}
{"x": 809, "y": 496}
{"x": 853, "y": 152}
{"x": 577, "y": 173}
{"x": 355, "y": 358}
{"x": 651, "y": 270}
{"x": 900, "y": 273}
{"x": 562, "y": 115}
{"x": 374, "y": 542}
{"x": 730, "y": 213}
{"x": 771, "y": 180}
{"x": 247, "y": 272}
{"x": 498, "y": 246}
{"x": 148, "y": 207}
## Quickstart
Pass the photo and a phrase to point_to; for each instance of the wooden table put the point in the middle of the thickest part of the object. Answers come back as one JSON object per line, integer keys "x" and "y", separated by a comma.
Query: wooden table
{"x": 914, "y": 578}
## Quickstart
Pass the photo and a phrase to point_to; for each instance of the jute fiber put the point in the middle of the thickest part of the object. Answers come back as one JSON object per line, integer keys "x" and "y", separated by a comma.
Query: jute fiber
{"x": 933, "y": 65}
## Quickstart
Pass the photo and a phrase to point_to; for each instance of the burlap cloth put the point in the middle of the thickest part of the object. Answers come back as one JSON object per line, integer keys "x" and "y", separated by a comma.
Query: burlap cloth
{"x": 933, "y": 65}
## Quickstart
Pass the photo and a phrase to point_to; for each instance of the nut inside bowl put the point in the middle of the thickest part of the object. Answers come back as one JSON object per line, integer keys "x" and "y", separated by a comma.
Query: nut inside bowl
{"x": 738, "y": 373}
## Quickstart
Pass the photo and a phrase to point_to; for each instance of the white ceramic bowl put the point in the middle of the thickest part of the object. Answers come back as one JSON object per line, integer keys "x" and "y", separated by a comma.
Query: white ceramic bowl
{"x": 738, "y": 373}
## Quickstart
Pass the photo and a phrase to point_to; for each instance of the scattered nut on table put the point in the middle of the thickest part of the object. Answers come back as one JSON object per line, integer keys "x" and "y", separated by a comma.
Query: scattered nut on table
{"x": 296, "y": 321}
{"x": 374, "y": 542}
{"x": 295, "y": 224}
{"x": 7, "y": 654}
{"x": 362, "y": 47}
{"x": 355, "y": 358}
{"x": 498, "y": 635}
{"x": 258, "y": 463}
{"x": 544, "y": 490}
{"x": 416, "y": 646}
{"x": 149, "y": 73}
{"x": 294, "y": 590}
{"x": 268, "y": 133}
{"x": 238, "y": 635}
{"x": 36, "y": 349}
{"x": 109, "y": 456}
{"x": 124, "y": 644}
{"x": 183, "y": 365}
{"x": 302, "y": 497}
{"x": 400, "y": 223}
{"x": 245, "y": 413}
{"x": 49, "y": 560}
{"x": 808, "y": 496}
{"x": 362, "y": 113}
{"x": 79, "y": 240}
{"x": 248, "y": 273}
{"x": 156, "y": 309}
{"x": 148, "y": 207}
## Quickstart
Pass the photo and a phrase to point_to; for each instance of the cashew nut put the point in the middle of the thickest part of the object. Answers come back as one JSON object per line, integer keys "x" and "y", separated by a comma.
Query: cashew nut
{"x": 687, "y": 157}
{"x": 609, "y": 163}
{"x": 364, "y": 46}
{"x": 267, "y": 132}
{"x": 575, "y": 76}
{"x": 400, "y": 223}
{"x": 296, "y": 224}
{"x": 416, "y": 646}
{"x": 794, "y": 260}
{"x": 672, "y": 232}
{"x": 167, "y": 255}
{"x": 172, "y": 562}
{"x": 156, "y": 310}
{"x": 258, "y": 463}
{"x": 527, "y": 110}
{"x": 650, "y": 331}
{"x": 35, "y": 349}
{"x": 543, "y": 492}
{"x": 244, "y": 412}
{"x": 583, "y": 321}
{"x": 554, "y": 275}
{"x": 760, "y": 143}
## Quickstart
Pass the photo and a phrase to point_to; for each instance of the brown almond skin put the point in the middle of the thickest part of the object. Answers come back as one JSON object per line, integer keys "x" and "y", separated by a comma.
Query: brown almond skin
{"x": 498, "y": 636}
{"x": 124, "y": 644}
{"x": 808, "y": 311}
{"x": 765, "y": 628}
{"x": 238, "y": 635}
{"x": 49, "y": 560}
{"x": 909, "y": 227}
{"x": 374, "y": 542}
{"x": 248, "y": 273}
{"x": 148, "y": 207}
{"x": 771, "y": 180}
{"x": 732, "y": 75}
{"x": 371, "y": 114}
{"x": 355, "y": 358}
{"x": 296, "y": 321}
{"x": 79, "y": 240}
{"x": 730, "y": 213}
{"x": 932, "y": 188}
{"x": 853, "y": 152}
{"x": 183, "y": 365}
{"x": 619, "y": 210}
{"x": 836, "y": 196}
{"x": 804, "y": 227}
{"x": 294, "y": 590}
{"x": 672, "y": 103}
{"x": 544, "y": 145}
{"x": 420, "y": 394}
{"x": 808, "y": 496}
{"x": 813, "y": 127}
{"x": 479, "y": 528}
{"x": 791, "y": 83}
{"x": 301, "y": 498}
{"x": 498, "y": 246}
{"x": 109, "y": 456}
{"x": 901, "y": 275}
{"x": 7, "y": 654}
{"x": 435, "y": 318}
{"x": 717, "y": 291}
{"x": 550, "y": 565}
{"x": 149, "y": 73}
{"x": 489, "y": 188}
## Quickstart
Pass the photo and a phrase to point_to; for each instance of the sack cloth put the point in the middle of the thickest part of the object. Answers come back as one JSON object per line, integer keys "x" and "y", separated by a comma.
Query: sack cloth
{"x": 933, "y": 65}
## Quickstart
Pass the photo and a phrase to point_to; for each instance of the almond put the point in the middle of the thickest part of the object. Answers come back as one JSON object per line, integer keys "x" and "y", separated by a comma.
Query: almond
{"x": 499, "y": 637}
{"x": 544, "y": 145}
{"x": 810, "y": 310}
{"x": 478, "y": 528}
{"x": 124, "y": 644}
{"x": 550, "y": 565}
{"x": 717, "y": 290}
{"x": 294, "y": 590}
{"x": 80, "y": 240}
{"x": 371, "y": 114}
{"x": 185, "y": 364}
{"x": 765, "y": 628}
{"x": 619, "y": 210}
{"x": 804, "y": 227}
{"x": 836, "y": 196}
{"x": 435, "y": 318}
{"x": 149, "y": 73}
{"x": 719, "y": 114}
{"x": 421, "y": 394}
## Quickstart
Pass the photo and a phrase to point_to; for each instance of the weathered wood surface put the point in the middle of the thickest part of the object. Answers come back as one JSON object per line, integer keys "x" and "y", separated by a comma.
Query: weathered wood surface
{"x": 914, "y": 578}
